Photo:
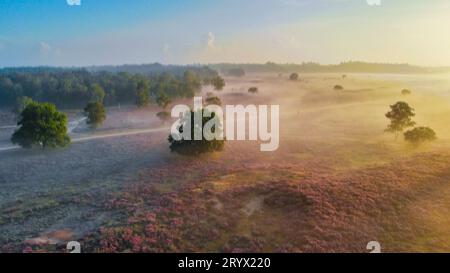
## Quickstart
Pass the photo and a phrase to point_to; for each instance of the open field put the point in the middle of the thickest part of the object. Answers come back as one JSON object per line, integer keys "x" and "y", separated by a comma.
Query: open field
{"x": 336, "y": 182}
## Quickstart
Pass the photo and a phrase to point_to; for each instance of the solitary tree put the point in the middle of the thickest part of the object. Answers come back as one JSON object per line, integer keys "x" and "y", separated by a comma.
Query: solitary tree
{"x": 195, "y": 147}
{"x": 96, "y": 114}
{"x": 419, "y": 135}
{"x": 42, "y": 125}
{"x": 400, "y": 117}
{"x": 338, "y": 87}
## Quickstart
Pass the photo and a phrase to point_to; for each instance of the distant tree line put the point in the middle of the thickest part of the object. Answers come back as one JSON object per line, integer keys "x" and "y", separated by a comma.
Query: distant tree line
{"x": 76, "y": 88}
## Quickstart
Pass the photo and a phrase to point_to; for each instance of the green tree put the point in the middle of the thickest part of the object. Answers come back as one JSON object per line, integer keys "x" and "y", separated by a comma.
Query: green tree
{"x": 218, "y": 83}
{"x": 400, "y": 117}
{"x": 196, "y": 147}
{"x": 41, "y": 124}
{"x": 96, "y": 114}
{"x": 419, "y": 135}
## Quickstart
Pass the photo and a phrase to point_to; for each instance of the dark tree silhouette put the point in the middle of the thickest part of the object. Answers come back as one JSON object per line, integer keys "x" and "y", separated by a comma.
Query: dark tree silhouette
{"x": 419, "y": 135}
{"x": 400, "y": 117}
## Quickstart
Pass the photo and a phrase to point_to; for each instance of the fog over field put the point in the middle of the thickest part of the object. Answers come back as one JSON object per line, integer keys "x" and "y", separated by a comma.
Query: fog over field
{"x": 336, "y": 182}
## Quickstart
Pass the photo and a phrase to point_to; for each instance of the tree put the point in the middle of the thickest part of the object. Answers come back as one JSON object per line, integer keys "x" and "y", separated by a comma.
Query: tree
{"x": 142, "y": 97}
{"x": 218, "y": 83}
{"x": 419, "y": 135}
{"x": 400, "y": 117}
{"x": 21, "y": 104}
{"x": 294, "y": 77}
{"x": 196, "y": 147}
{"x": 41, "y": 124}
{"x": 95, "y": 112}
{"x": 253, "y": 90}
{"x": 163, "y": 100}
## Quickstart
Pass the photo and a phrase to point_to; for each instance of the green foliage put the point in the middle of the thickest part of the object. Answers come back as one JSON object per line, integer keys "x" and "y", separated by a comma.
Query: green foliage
{"x": 21, "y": 104}
{"x": 196, "y": 147}
{"x": 400, "y": 117}
{"x": 218, "y": 83}
{"x": 213, "y": 101}
{"x": 74, "y": 88}
{"x": 163, "y": 100}
{"x": 419, "y": 135}
{"x": 406, "y": 92}
{"x": 253, "y": 90}
{"x": 42, "y": 125}
{"x": 95, "y": 112}
{"x": 294, "y": 77}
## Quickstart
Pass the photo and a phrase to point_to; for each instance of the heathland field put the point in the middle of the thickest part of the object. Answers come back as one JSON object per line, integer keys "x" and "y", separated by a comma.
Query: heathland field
{"x": 336, "y": 182}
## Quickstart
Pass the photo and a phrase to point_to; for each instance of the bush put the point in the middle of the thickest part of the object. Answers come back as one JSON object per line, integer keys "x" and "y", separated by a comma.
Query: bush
{"x": 338, "y": 87}
{"x": 41, "y": 124}
{"x": 419, "y": 135}
{"x": 406, "y": 92}
{"x": 253, "y": 90}
{"x": 293, "y": 77}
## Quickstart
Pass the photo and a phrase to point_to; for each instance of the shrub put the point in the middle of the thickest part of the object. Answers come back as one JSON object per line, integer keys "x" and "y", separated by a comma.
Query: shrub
{"x": 253, "y": 90}
{"x": 293, "y": 77}
{"x": 406, "y": 92}
{"x": 163, "y": 116}
{"x": 338, "y": 87}
{"x": 419, "y": 135}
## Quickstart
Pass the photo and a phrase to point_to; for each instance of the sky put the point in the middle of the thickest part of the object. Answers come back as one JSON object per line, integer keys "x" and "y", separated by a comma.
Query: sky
{"x": 102, "y": 32}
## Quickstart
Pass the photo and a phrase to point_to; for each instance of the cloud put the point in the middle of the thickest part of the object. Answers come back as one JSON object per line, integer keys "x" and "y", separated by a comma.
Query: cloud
{"x": 374, "y": 2}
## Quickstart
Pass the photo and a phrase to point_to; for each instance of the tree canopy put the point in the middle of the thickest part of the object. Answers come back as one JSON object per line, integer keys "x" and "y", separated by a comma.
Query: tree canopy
{"x": 41, "y": 125}
{"x": 96, "y": 114}
{"x": 419, "y": 135}
{"x": 195, "y": 147}
{"x": 401, "y": 117}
